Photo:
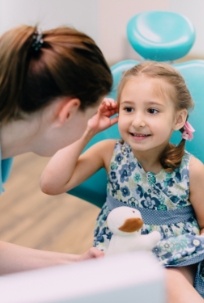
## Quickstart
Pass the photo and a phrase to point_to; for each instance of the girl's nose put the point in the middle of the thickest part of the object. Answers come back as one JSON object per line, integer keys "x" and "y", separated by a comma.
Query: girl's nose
{"x": 138, "y": 120}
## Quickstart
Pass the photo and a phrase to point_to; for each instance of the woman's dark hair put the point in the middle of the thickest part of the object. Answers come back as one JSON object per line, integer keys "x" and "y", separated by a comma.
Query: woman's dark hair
{"x": 38, "y": 68}
{"x": 179, "y": 94}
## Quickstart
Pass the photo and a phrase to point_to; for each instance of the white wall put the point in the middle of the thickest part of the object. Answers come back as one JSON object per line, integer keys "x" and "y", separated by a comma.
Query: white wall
{"x": 103, "y": 20}
{"x": 194, "y": 11}
{"x": 50, "y": 13}
{"x": 114, "y": 15}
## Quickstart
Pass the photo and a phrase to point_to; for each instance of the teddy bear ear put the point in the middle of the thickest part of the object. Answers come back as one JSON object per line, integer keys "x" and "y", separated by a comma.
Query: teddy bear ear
{"x": 131, "y": 225}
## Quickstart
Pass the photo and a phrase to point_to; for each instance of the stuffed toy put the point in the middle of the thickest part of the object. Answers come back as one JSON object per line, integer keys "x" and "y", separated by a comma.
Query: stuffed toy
{"x": 125, "y": 223}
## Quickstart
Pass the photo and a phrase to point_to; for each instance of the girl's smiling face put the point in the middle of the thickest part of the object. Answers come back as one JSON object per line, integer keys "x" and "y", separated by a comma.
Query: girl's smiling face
{"x": 147, "y": 113}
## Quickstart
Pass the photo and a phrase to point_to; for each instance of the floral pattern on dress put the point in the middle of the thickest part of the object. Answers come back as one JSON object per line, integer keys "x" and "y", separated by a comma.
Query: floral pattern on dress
{"x": 132, "y": 186}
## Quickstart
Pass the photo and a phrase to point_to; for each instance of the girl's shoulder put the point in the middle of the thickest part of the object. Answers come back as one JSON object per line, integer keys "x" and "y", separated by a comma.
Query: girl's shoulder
{"x": 105, "y": 145}
{"x": 196, "y": 168}
{"x": 105, "y": 149}
{"x": 187, "y": 159}
{"x": 195, "y": 164}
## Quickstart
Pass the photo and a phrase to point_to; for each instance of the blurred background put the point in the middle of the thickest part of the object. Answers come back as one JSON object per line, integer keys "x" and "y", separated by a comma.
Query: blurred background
{"x": 65, "y": 223}
{"x": 103, "y": 20}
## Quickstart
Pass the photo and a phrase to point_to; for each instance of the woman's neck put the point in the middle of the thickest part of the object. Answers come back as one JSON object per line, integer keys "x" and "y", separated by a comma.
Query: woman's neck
{"x": 18, "y": 137}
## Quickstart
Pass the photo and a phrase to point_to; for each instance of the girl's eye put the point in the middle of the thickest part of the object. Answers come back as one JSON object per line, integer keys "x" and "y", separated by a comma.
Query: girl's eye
{"x": 128, "y": 109}
{"x": 153, "y": 111}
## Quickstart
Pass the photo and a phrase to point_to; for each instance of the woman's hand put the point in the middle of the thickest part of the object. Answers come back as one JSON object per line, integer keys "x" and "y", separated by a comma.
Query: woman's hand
{"x": 92, "y": 253}
{"x": 104, "y": 116}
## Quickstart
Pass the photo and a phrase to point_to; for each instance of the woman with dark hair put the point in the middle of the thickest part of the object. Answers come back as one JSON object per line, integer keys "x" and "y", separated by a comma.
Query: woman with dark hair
{"x": 51, "y": 83}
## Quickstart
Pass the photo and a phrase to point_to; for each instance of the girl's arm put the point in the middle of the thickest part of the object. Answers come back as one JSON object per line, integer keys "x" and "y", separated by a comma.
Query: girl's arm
{"x": 197, "y": 190}
{"x": 68, "y": 168}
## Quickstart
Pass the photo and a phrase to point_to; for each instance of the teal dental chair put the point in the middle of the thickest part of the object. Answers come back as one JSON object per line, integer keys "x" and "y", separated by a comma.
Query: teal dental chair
{"x": 160, "y": 36}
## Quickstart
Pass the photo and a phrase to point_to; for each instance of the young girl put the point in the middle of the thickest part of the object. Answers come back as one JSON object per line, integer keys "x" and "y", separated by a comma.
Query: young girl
{"x": 51, "y": 83}
{"x": 146, "y": 171}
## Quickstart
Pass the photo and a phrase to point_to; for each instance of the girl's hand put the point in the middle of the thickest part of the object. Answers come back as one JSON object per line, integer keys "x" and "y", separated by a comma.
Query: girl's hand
{"x": 104, "y": 116}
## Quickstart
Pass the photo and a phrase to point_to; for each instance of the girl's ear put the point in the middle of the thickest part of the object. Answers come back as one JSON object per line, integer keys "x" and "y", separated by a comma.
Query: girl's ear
{"x": 67, "y": 109}
{"x": 180, "y": 119}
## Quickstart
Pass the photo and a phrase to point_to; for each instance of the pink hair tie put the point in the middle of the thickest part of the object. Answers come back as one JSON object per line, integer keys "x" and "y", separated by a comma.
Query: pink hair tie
{"x": 188, "y": 131}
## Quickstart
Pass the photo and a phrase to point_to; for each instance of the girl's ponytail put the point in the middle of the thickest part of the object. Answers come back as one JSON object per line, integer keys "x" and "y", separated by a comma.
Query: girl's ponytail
{"x": 172, "y": 156}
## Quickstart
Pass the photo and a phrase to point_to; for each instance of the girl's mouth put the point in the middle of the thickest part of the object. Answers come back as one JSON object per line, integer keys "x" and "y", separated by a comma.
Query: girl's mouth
{"x": 140, "y": 135}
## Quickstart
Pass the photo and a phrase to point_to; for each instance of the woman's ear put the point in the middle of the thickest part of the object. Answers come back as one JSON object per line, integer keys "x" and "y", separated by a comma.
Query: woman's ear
{"x": 180, "y": 119}
{"x": 67, "y": 109}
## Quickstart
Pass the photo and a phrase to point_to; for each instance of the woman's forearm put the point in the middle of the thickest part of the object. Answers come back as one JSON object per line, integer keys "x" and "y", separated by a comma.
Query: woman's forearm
{"x": 14, "y": 258}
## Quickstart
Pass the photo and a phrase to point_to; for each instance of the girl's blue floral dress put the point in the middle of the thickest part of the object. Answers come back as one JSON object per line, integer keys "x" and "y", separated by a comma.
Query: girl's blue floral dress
{"x": 163, "y": 200}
